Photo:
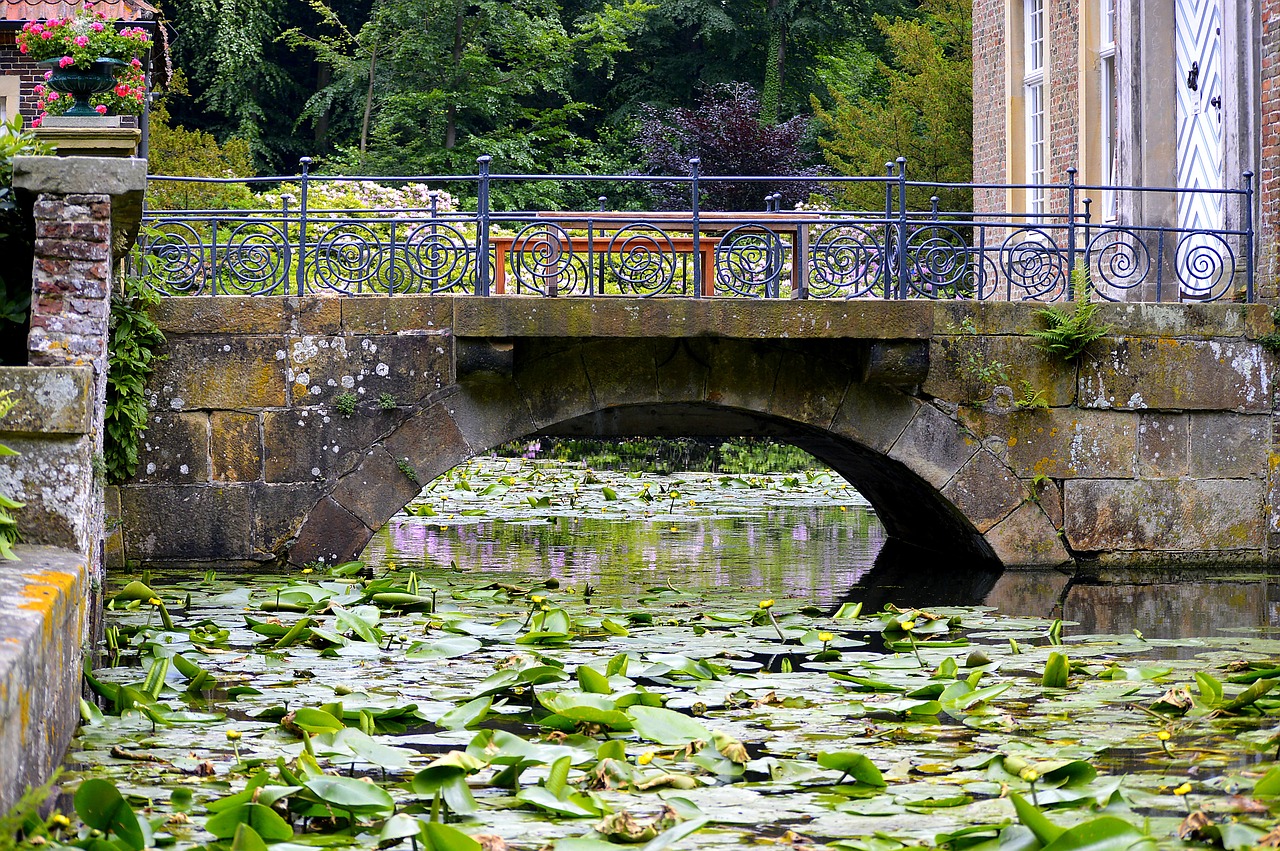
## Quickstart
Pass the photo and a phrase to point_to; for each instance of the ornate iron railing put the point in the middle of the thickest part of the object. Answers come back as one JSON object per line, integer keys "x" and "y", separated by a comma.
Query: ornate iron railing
{"x": 300, "y": 247}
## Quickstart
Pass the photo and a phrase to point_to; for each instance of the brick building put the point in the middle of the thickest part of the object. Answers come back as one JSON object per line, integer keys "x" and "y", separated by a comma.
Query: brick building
{"x": 1148, "y": 93}
{"x": 18, "y": 75}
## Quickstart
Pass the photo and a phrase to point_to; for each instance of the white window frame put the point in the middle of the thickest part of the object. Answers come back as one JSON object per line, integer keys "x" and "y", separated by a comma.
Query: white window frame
{"x": 10, "y": 91}
{"x": 1107, "y": 101}
{"x": 1034, "y": 100}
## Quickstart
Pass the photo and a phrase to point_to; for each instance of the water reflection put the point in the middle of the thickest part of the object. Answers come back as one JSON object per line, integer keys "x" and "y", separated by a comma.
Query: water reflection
{"x": 816, "y": 542}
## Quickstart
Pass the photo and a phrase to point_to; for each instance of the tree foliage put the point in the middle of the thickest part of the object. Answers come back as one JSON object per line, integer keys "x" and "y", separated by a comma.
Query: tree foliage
{"x": 724, "y": 129}
{"x": 925, "y": 113}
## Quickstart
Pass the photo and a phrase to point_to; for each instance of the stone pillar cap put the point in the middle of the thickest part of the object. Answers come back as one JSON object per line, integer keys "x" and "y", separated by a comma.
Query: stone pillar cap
{"x": 114, "y": 176}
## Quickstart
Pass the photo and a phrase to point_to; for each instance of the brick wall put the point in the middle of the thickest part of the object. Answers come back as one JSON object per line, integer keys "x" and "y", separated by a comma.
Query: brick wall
{"x": 989, "y": 156}
{"x": 1269, "y": 167}
{"x": 1063, "y": 32}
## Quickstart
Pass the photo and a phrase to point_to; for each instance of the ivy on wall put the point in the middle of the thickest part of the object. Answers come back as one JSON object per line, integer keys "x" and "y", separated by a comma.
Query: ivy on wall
{"x": 135, "y": 346}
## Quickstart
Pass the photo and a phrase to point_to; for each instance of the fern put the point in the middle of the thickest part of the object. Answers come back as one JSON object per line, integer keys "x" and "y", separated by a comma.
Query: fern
{"x": 1069, "y": 333}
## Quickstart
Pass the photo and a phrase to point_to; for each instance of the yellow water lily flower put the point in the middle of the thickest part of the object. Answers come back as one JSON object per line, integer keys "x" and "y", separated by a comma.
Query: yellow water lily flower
{"x": 766, "y": 604}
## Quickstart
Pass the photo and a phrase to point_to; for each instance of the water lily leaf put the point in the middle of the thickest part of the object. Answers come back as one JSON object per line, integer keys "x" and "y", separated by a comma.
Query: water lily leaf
{"x": 136, "y": 590}
{"x": 442, "y": 648}
{"x": 356, "y": 743}
{"x": 350, "y": 795}
{"x": 442, "y": 837}
{"x": 1268, "y": 785}
{"x": 316, "y": 721}
{"x": 854, "y": 765}
{"x": 1209, "y": 687}
{"x": 247, "y": 839}
{"x": 593, "y": 681}
{"x": 848, "y": 611}
{"x": 467, "y": 715}
{"x": 666, "y": 726}
{"x": 1045, "y": 831}
{"x": 1056, "y": 670}
{"x": 100, "y": 805}
{"x": 361, "y": 621}
{"x": 574, "y": 805}
{"x": 1105, "y": 833}
{"x": 865, "y": 683}
{"x": 1249, "y": 696}
{"x": 906, "y": 706}
{"x": 589, "y": 708}
{"x": 266, "y": 822}
{"x": 545, "y": 638}
{"x": 399, "y": 826}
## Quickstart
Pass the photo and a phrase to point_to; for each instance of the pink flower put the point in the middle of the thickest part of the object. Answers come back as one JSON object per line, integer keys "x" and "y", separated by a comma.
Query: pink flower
{"x": 54, "y": 96}
{"x": 48, "y": 75}
{"x": 38, "y": 90}
{"x": 40, "y": 105}
{"x": 22, "y": 48}
{"x": 101, "y": 108}
{"x": 65, "y": 61}
{"x": 135, "y": 62}
{"x": 97, "y": 26}
{"x": 81, "y": 41}
{"x": 122, "y": 90}
{"x": 46, "y": 35}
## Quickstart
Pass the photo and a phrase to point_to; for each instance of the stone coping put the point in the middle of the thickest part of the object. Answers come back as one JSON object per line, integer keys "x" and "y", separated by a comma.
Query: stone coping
{"x": 524, "y": 316}
{"x": 42, "y": 598}
{"x": 50, "y": 399}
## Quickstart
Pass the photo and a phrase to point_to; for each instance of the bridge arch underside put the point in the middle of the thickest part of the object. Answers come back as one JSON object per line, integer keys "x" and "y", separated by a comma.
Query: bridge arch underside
{"x": 932, "y": 484}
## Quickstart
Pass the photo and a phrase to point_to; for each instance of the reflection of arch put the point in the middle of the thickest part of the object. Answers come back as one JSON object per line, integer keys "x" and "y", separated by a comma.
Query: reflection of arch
{"x": 931, "y": 482}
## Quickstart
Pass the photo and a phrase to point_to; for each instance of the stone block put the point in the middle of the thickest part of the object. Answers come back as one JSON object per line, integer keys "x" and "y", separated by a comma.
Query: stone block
{"x": 966, "y": 318}
{"x": 957, "y": 364}
{"x": 174, "y": 449}
{"x": 933, "y": 446}
{"x": 409, "y": 368}
{"x": 1164, "y": 446}
{"x": 683, "y": 368}
{"x": 431, "y": 442}
{"x": 1064, "y": 443}
{"x": 742, "y": 374}
{"x": 621, "y": 372}
{"x": 316, "y": 444}
{"x": 80, "y": 175}
{"x": 331, "y": 534}
{"x": 488, "y": 413}
{"x": 985, "y": 490}
{"x": 249, "y": 315}
{"x": 377, "y": 488}
{"x": 1168, "y": 374}
{"x": 1202, "y": 321}
{"x": 874, "y": 416}
{"x": 1229, "y": 446}
{"x": 1155, "y": 517}
{"x": 556, "y": 387}
{"x": 48, "y": 399}
{"x": 235, "y": 446}
{"x": 278, "y": 514}
{"x": 54, "y": 477}
{"x": 382, "y": 315}
{"x": 228, "y": 373}
{"x": 809, "y": 389}
{"x": 42, "y": 633}
{"x": 1026, "y": 538}
{"x": 114, "y": 544}
{"x": 188, "y": 524}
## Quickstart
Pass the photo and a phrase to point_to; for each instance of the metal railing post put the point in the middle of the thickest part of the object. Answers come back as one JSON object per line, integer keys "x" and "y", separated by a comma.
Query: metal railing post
{"x": 1248, "y": 237}
{"x": 902, "y": 227}
{"x": 1071, "y": 232}
{"x": 888, "y": 229}
{"x": 482, "y": 223}
{"x": 301, "y": 279}
{"x": 695, "y": 166}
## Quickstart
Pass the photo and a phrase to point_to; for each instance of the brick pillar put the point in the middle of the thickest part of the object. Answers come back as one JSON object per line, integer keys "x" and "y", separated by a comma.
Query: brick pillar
{"x": 87, "y": 211}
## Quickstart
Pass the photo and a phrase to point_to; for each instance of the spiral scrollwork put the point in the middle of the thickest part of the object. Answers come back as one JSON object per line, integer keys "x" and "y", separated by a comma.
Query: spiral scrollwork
{"x": 642, "y": 260}
{"x": 176, "y": 259}
{"x": 437, "y": 259}
{"x": 347, "y": 258}
{"x": 1034, "y": 265}
{"x": 749, "y": 261}
{"x": 255, "y": 260}
{"x": 846, "y": 260}
{"x": 938, "y": 263}
{"x": 542, "y": 259}
{"x": 1206, "y": 267}
{"x": 1118, "y": 260}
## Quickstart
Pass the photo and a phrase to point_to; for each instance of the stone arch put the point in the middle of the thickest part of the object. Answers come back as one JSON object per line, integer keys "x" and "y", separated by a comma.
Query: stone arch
{"x": 931, "y": 481}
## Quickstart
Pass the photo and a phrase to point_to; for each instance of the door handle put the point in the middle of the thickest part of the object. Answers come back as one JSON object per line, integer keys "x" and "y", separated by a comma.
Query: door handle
{"x": 1216, "y": 102}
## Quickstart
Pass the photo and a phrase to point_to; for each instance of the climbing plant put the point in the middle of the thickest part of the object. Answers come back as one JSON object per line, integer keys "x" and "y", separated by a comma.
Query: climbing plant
{"x": 1069, "y": 333}
{"x": 8, "y": 524}
{"x": 136, "y": 341}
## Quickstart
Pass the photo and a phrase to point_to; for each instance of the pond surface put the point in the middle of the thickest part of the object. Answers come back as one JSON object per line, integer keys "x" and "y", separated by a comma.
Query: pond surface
{"x": 543, "y": 656}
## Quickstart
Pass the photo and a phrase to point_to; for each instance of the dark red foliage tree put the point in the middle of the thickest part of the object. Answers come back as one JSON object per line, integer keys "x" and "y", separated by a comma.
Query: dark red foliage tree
{"x": 725, "y": 131}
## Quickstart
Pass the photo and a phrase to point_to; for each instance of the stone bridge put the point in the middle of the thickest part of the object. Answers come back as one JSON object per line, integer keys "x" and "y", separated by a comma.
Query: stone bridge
{"x": 1160, "y": 448}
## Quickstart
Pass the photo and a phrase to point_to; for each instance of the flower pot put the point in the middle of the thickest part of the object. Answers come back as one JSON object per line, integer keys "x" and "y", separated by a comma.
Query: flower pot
{"x": 83, "y": 83}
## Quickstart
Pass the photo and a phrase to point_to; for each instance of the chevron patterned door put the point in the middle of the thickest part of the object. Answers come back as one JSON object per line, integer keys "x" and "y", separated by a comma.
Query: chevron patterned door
{"x": 1198, "y": 29}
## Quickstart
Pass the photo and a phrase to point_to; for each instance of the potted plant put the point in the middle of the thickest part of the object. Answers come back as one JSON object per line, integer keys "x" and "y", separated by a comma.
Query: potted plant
{"x": 85, "y": 54}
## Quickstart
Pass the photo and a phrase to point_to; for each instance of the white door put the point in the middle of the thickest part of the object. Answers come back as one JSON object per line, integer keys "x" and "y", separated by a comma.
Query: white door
{"x": 1198, "y": 29}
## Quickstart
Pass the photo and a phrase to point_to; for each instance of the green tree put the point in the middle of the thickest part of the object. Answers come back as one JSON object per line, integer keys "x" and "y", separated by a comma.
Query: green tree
{"x": 924, "y": 114}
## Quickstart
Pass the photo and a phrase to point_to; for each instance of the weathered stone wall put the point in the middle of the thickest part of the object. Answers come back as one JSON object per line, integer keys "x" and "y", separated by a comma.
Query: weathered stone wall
{"x": 1157, "y": 449}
